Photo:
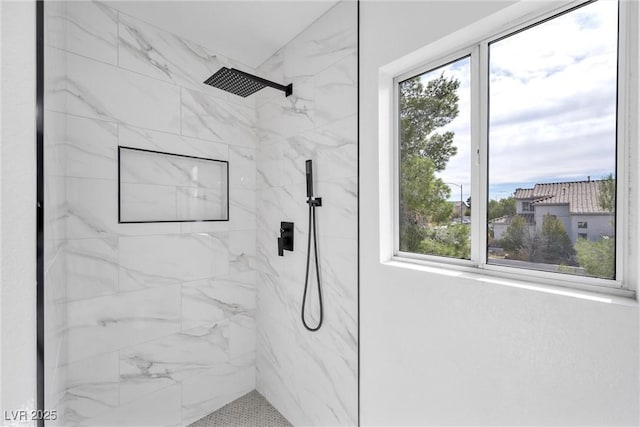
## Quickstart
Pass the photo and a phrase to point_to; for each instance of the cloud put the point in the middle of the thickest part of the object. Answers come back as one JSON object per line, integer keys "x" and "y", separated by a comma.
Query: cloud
{"x": 552, "y": 102}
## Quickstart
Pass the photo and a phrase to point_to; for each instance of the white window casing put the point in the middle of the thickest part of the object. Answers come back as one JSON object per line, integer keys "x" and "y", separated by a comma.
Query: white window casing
{"x": 474, "y": 41}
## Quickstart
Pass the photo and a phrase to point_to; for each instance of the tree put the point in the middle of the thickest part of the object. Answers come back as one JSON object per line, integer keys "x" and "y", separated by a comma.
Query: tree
{"x": 422, "y": 111}
{"x": 423, "y": 202}
{"x": 597, "y": 258}
{"x": 515, "y": 236}
{"x": 423, "y": 197}
{"x": 423, "y": 153}
{"x": 555, "y": 244}
{"x": 502, "y": 207}
{"x": 453, "y": 241}
{"x": 607, "y": 193}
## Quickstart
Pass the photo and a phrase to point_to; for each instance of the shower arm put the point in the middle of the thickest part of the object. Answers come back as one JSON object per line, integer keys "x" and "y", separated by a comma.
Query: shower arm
{"x": 288, "y": 89}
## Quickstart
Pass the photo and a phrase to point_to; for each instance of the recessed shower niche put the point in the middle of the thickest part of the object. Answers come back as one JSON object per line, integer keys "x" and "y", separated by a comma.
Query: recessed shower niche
{"x": 164, "y": 187}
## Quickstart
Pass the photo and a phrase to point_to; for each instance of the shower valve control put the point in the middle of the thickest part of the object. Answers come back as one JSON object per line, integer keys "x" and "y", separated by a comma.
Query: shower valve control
{"x": 285, "y": 241}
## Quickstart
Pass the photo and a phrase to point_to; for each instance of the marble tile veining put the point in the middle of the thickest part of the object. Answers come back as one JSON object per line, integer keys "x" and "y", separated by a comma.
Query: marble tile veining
{"x": 92, "y": 148}
{"x": 168, "y": 360}
{"x": 156, "y": 53}
{"x": 92, "y": 387}
{"x": 152, "y": 261}
{"x": 108, "y": 323}
{"x": 212, "y": 300}
{"x": 211, "y": 118}
{"x": 131, "y": 136}
{"x": 92, "y": 267}
{"x": 91, "y": 30}
{"x": 120, "y": 95}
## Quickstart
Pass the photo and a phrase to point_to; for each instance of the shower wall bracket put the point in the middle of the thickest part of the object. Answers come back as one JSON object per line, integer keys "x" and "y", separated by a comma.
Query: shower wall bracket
{"x": 315, "y": 201}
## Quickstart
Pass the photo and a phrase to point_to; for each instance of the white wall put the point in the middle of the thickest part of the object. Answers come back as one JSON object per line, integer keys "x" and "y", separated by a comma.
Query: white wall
{"x": 17, "y": 219}
{"x": 442, "y": 348}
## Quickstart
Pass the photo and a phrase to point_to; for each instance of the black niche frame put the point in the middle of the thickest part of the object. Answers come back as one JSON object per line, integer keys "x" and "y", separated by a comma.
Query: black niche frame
{"x": 120, "y": 147}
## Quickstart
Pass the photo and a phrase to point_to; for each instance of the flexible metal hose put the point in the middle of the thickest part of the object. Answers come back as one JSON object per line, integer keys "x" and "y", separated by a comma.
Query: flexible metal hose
{"x": 312, "y": 223}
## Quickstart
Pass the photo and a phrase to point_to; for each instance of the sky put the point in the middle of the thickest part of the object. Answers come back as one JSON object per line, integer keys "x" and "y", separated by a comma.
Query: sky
{"x": 552, "y": 97}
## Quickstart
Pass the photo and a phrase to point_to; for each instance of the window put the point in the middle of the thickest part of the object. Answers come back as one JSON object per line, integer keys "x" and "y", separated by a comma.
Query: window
{"x": 435, "y": 176}
{"x": 527, "y": 124}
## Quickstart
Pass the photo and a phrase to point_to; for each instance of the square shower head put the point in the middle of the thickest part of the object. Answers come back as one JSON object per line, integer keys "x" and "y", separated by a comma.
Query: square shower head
{"x": 235, "y": 82}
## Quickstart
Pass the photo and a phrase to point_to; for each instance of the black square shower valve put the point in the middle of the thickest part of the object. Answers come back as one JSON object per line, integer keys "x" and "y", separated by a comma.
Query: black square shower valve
{"x": 285, "y": 241}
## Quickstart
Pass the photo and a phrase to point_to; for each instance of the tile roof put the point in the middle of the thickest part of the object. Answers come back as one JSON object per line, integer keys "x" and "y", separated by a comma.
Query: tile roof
{"x": 581, "y": 196}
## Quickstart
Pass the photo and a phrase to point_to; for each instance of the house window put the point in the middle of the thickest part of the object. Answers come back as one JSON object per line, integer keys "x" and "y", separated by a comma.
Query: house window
{"x": 583, "y": 236}
{"x": 530, "y": 114}
{"x": 435, "y": 176}
{"x": 541, "y": 81}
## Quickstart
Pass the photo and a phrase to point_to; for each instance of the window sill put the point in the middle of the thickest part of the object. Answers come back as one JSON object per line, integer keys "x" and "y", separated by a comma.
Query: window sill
{"x": 588, "y": 292}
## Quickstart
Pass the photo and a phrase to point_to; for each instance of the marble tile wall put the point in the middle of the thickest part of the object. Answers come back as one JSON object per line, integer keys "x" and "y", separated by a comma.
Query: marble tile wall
{"x": 55, "y": 255}
{"x": 148, "y": 324}
{"x": 310, "y": 377}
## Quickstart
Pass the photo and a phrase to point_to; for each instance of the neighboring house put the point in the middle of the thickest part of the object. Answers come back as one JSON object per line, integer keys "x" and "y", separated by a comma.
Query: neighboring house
{"x": 576, "y": 204}
{"x": 456, "y": 211}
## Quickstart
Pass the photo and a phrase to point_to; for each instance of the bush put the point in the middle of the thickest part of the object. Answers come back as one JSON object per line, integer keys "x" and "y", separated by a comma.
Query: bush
{"x": 597, "y": 258}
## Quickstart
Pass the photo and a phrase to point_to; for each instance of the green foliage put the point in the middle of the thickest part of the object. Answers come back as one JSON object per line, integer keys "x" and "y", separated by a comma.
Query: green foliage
{"x": 555, "y": 244}
{"x": 411, "y": 235}
{"x": 422, "y": 111}
{"x": 452, "y": 241}
{"x": 597, "y": 258}
{"x": 515, "y": 236}
{"x": 607, "y": 196}
{"x": 423, "y": 197}
{"x": 502, "y": 207}
{"x": 423, "y": 153}
{"x": 551, "y": 245}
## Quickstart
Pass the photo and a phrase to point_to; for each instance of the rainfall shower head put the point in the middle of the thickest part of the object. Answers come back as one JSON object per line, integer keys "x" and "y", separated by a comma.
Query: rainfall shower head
{"x": 241, "y": 83}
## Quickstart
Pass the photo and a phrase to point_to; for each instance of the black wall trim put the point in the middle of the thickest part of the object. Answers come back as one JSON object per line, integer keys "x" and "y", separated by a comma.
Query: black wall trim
{"x": 358, "y": 190}
{"x": 40, "y": 208}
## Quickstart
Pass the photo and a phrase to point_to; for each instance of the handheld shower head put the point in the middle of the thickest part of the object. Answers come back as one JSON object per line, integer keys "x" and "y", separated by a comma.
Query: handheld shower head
{"x": 309, "y": 170}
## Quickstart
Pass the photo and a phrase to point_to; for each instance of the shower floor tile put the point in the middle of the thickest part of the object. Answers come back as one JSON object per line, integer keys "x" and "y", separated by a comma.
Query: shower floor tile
{"x": 251, "y": 410}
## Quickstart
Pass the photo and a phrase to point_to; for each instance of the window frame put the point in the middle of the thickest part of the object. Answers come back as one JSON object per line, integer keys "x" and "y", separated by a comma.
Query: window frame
{"x": 417, "y": 71}
{"x": 626, "y": 129}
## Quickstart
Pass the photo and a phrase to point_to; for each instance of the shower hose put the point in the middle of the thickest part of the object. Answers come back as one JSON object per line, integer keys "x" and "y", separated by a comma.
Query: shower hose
{"x": 312, "y": 224}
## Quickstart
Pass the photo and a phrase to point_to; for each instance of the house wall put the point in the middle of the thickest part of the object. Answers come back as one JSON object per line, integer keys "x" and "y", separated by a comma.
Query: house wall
{"x": 310, "y": 377}
{"x": 560, "y": 212}
{"x": 519, "y": 206}
{"x": 441, "y": 347}
{"x": 597, "y": 226}
{"x": 159, "y": 318}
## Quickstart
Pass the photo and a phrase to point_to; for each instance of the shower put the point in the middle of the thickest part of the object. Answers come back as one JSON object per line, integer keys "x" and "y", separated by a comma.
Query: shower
{"x": 243, "y": 84}
{"x": 313, "y": 203}
{"x": 165, "y": 299}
